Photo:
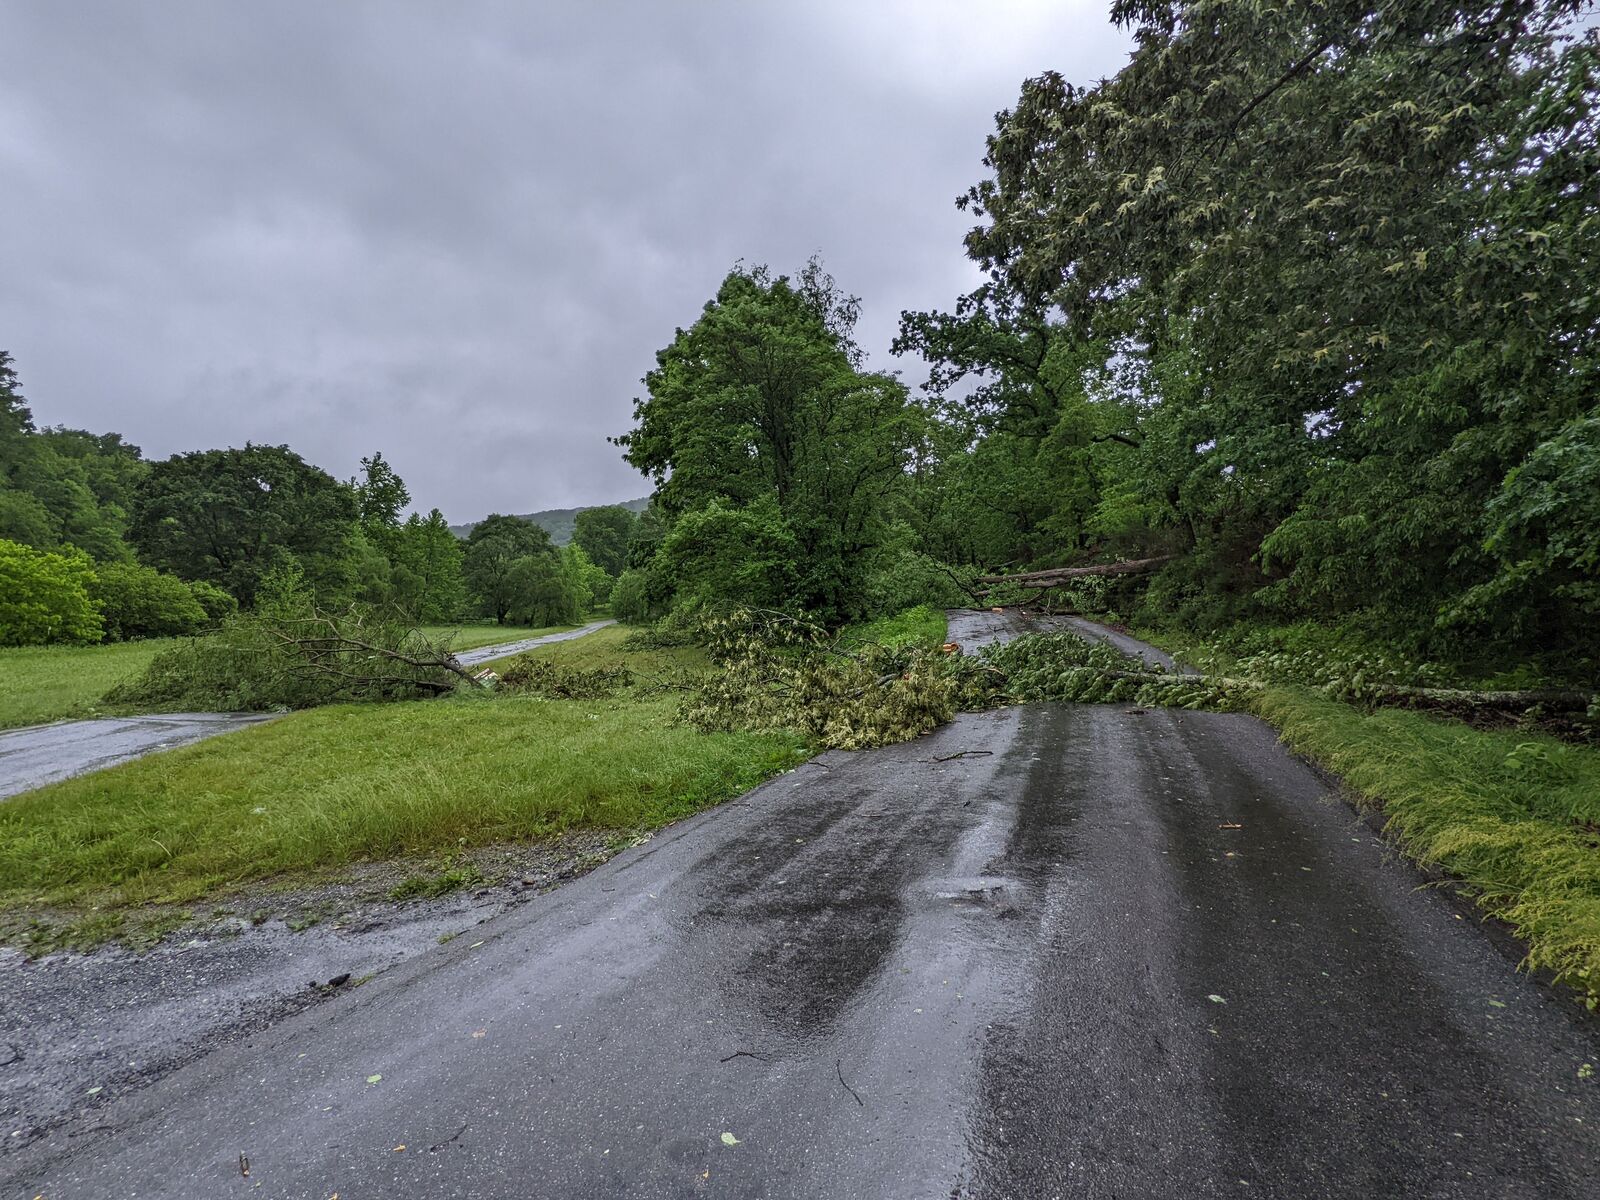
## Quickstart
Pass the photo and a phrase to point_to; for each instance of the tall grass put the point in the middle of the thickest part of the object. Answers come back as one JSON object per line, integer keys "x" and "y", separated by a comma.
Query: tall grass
{"x": 333, "y": 785}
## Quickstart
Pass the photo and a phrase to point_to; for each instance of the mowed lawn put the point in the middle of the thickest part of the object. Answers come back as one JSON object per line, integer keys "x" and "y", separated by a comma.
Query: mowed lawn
{"x": 55, "y": 683}
{"x": 51, "y": 683}
{"x": 330, "y": 786}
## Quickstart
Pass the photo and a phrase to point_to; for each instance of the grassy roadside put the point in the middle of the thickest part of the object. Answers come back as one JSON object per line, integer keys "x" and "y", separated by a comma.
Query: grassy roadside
{"x": 1514, "y": 816}
{"x": 327, "y": 787}
{"x": 56, "y": 683}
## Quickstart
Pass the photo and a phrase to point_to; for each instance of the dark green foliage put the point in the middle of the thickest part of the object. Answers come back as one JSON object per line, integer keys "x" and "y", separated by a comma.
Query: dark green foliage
{"x": 736, "y": 555}
{"x": 507, "y": 564}
{"x": 538, "y": 592}
{"x": 232, "y": 516}
{"x": 604, "y": 534}
{"x": 218, "y": 605}
{"x": 138, "y": 602}
{"x": 45, "y": 596}
{"x": 760, "y": 425}
{"x": 62, "y": 486}
{"x": 1305, "y": 294}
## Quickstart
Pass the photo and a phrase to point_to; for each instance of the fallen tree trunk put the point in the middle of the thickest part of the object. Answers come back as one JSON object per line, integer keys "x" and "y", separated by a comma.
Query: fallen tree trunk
{"x": 1055, "y": 576}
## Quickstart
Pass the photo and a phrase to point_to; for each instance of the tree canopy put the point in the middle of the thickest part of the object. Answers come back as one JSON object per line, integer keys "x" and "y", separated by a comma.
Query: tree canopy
{"x": 759, "y": 418}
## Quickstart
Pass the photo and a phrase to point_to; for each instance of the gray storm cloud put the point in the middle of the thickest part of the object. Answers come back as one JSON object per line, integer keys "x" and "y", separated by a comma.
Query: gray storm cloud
{"x": 459, "y": 232}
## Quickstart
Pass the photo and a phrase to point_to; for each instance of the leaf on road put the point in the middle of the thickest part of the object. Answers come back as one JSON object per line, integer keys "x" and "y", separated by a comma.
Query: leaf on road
{"x": 480, "y": 1033}
{"x": 400, "y": 1147}
{"x": 1497, "y": 1004}
{"x": 1586, "y": 1071}
{"x": 1216, "y": 999}
{"x": 729, "y": 1140}
{"x": 371, "y": 1079}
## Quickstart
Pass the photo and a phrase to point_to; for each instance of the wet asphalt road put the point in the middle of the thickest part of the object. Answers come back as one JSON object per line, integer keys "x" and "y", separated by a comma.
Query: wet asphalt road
{"x": 483, "y": 654}
{"x": 1051, "y": 970}
{"x": 41, "y": 754}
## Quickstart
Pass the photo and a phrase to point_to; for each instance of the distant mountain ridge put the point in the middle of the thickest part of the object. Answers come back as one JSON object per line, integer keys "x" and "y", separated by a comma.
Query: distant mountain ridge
{"x": 558, "y": 522}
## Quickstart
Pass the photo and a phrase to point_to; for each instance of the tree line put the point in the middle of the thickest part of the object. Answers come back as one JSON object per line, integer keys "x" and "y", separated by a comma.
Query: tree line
{"x": 96, "y": 542}
{"x": 1302, "y": 302}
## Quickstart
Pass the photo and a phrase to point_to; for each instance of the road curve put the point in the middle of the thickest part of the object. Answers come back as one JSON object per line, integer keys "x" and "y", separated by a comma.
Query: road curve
{"x": 483, "y": 654}
{"x": 1048, "y": 951}
{"x": 41, "y": 754}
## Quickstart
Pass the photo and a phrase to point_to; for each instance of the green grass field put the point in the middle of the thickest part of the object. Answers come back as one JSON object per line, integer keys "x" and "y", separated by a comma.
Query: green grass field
{"x": 56, "y": 683}
{"x": 51, "y": 683}
{"x": 330, "y": 786}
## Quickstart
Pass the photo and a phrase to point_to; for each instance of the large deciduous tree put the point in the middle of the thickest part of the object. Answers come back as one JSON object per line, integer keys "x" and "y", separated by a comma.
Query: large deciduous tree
{"x": 232, "y": 516}
{"x": 761, "y": 408}
{"x": 604, "y": 533}
{"x": 496, "y": 567}
{"x": 1347, "y": 253}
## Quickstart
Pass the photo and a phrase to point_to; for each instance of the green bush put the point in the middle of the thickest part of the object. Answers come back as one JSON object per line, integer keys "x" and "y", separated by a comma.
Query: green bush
{"x": 906, "y": 579}
{"x": 139, "y": 602}
{"x": 45, "y": 596}
{"x": 218, "y": 604}
{"x": 919, "y": 626}
{"x": 733, "y": 555}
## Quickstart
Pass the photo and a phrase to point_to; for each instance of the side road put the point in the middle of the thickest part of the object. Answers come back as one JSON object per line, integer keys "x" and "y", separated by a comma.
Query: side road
{"x": 41, "y": 754}
{"x": 1050, "y": 950}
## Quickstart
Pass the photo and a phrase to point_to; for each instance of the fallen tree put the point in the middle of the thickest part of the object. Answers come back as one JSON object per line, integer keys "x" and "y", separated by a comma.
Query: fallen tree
{"x": 1056, "y": 576}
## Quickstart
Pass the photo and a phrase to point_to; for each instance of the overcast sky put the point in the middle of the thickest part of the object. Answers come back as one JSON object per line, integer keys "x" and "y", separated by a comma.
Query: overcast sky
{"x": 458, "y": 232}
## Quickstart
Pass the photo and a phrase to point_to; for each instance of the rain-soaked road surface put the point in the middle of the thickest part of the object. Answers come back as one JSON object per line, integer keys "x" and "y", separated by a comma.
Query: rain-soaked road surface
{"x": 41, "y": 754}
{"x": 1122, "y": 954}
{"x": 483, "y": 654}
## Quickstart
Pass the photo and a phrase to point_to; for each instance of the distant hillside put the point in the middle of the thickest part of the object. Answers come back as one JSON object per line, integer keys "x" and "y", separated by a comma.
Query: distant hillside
{"x": 558, "y": 521}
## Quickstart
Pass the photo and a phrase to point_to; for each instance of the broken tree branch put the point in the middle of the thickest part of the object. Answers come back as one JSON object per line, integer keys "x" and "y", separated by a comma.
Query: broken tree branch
{"x": 1055, "y": 576}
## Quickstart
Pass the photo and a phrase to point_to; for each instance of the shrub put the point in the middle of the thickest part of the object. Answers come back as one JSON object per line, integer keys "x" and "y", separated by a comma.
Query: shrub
{"x": 141, "y": 602}
{"x": 553, "y": 681}
{"x": 45, "y": 596}
{"x": 218, "y": 604}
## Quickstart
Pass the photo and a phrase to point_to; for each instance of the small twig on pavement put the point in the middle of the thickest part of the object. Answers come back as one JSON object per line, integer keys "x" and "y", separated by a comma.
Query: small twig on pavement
{"x": 963, "y": 754}
{"x": 441, "y": 1145}
{"x": 746, "y": 1054}
{"x": 838, "y": 1066}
